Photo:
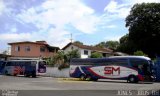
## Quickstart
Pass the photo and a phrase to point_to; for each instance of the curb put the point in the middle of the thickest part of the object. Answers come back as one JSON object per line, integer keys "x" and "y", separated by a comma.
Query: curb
{"x": 73, "y": 79}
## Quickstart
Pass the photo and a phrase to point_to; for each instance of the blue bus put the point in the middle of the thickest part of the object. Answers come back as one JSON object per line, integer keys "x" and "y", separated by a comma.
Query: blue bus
{"x": 130, "y": 68}
{"x": 2, "y": 65}
{"x": 25, "y": 67}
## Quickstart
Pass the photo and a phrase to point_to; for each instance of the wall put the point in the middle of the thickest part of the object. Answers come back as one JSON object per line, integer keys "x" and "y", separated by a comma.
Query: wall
{"x": 81, "y": 51}
{"x": 34, "y": 51}
{"x": 55, "y": 72}
{"x": 85, "y": 56}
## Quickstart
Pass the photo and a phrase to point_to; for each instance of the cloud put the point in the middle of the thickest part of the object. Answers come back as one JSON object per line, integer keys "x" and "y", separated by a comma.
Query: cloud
{"x": 141, "y": 1}
{"x": 115, "y": 11}
{"x": 15, "y": 36}
{"x": 111, "y": 26}
{"x": 2, "y": 6}
{"x": 52, "y": 16}
{"x": 59, "y": 14}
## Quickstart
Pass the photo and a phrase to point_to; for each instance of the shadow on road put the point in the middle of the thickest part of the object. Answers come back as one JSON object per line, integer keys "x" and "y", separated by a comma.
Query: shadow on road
{"x": 110, "y": 81}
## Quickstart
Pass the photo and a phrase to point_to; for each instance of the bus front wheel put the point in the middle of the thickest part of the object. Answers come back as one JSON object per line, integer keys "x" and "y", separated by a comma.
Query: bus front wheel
{"x": 88, "y": 78}
{"x": 132, "y": 79}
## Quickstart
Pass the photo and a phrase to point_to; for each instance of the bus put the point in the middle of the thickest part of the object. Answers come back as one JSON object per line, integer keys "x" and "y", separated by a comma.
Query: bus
{"x": 130, "y": 68}
{"x": 26, "y": 67}
{"x": 2, "y": 65}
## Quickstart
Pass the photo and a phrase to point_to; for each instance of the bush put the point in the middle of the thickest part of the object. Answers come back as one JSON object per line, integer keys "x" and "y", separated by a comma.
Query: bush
{"x": 96, "y": 55}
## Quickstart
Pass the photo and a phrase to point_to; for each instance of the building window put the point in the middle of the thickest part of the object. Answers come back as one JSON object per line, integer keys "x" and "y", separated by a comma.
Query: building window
{"x": 72, "y": 48}
{"x": 17, "y": 48}
{"x": 86, "y": 52}
{"x": 42, "y": 49}
{"x": 27, "y": 48}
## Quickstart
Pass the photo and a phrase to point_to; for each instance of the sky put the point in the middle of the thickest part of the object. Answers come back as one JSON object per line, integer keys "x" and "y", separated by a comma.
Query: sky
{"x": 89, "y": 21}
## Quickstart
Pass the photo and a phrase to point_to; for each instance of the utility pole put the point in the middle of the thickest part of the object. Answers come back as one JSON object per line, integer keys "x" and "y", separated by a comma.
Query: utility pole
{"x": 71, "y": 38}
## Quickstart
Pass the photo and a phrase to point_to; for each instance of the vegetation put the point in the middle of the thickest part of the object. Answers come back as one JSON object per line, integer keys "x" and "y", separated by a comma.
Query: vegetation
{"x": 109, "y": 44}
{"x": 62, "y": 59}
{"x": 96, "y": 55}
{"x": 140, "y": 53}
{"x": 144, "y": 28}
{"x": 78, "y": 42}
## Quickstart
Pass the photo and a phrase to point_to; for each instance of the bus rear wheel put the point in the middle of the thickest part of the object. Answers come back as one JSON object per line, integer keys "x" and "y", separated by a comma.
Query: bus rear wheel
{"x": 132, "y": 79}
{"x": 6, "y": 73}
{"x": 82, "y": 77}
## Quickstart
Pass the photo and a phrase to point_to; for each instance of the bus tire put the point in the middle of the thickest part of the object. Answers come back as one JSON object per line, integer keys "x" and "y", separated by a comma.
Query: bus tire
{"x": 132, "y": 79}
{"x": 88, "y": 78}
{"x": 6, "y": 73}
{"x": 33, "y": 73}
{"x": 83, "y": 77}
{"x": 14, "y": 74}
{"x": 26, "y": 75}
{"x": 95, "y": 79}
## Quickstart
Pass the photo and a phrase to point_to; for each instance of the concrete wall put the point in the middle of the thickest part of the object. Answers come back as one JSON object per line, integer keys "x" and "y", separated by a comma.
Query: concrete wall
{"x": 55, "y": 72}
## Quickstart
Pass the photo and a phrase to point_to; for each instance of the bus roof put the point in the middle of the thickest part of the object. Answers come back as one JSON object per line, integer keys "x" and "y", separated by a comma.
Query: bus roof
{"x": 110, "y": 58}
{"x": 136, "y": 57}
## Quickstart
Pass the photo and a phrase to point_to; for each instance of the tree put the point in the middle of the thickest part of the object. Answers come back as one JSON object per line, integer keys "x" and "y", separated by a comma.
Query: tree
{"x": 72, "y": 54}
{"x": 126, "y": 45}
{"x": 96, "y": 55}
{"x": 144, "y": 27}
{"x": 78, "y": 42}
{"x": 112, "y": 45}
{"x": 101, "y": 45}
{"x": 140, "y": 53}
{"x": 109, "y": 44}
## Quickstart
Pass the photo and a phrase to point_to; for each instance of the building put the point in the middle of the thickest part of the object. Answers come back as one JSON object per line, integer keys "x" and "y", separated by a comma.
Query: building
{"x": 85, "y": 51}
{"x": 32, "y": 49}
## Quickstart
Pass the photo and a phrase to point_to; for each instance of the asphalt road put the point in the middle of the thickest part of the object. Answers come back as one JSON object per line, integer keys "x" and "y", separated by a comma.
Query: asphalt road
{"x": 48, "y": 86}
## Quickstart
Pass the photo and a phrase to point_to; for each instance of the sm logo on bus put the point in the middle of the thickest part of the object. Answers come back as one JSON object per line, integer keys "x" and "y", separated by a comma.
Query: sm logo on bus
{"x": 112, "y": 70}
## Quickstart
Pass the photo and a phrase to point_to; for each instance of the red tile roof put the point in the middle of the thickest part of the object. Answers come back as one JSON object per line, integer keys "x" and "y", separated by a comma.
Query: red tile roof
{"x": 37, "y": 42}
{"x": 88, "y": 47}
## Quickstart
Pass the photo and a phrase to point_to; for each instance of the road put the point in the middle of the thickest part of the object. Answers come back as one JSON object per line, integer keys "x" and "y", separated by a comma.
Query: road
{"x": 48, "y": 85}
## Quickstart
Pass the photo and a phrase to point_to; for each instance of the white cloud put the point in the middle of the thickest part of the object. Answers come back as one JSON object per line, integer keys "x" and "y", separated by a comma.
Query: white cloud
{"x": 115, "y": 11}
{"x": 52, "y": 16}
{"x": 2, "y": 6}
{"x": 111, "y": 26}
{"x": 141, "y": 1}
{"x": 15, "y": 36}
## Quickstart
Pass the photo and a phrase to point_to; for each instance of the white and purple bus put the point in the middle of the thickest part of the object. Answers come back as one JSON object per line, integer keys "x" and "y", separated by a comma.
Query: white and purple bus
{"x": 26, "y": 67}
{"x": 130, "y": 68}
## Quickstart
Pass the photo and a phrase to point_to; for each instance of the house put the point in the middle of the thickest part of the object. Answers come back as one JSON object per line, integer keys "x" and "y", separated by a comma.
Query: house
{"x": 32, "y": 49}
{"x": 4, "y": 56}
{"x": 85, "y": 51}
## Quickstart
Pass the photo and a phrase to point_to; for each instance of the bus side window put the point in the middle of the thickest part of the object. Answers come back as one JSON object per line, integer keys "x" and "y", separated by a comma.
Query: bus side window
{"x": 141, "y": 64}
{"x": 134, "y": 63}
{"x": 120, "y": 62}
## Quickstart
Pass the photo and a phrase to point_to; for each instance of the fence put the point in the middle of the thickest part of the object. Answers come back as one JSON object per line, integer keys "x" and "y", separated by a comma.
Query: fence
{"x": 157, "y": 69}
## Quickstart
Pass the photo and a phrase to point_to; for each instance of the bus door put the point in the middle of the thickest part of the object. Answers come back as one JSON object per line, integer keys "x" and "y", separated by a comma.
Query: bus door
{"x": 2, "y": 65}
{"x": 42, "y": 67}
{"x": 143, "y": 68}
